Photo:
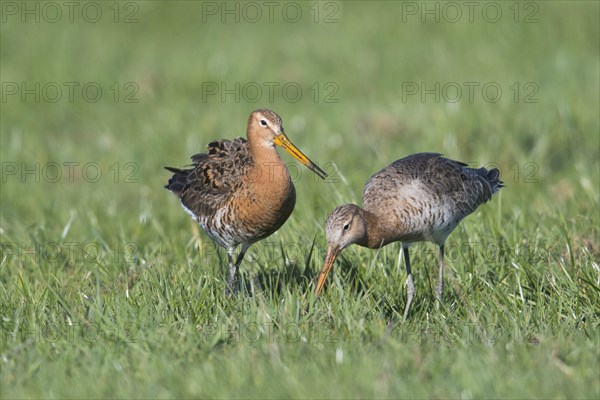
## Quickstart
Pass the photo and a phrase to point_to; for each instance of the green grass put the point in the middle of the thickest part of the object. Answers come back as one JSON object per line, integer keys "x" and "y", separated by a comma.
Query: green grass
{"x": 108, "y": 289}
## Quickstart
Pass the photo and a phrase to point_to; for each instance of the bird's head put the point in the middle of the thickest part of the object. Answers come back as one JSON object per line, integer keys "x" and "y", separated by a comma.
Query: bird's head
{"x": 265, "y": 128}
{"x": 345, "y": 226}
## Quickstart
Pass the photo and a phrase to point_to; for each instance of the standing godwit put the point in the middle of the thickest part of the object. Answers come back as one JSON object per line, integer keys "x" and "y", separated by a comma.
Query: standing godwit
{"x": 422, "y": 197}
{"x": 240, "y": 191}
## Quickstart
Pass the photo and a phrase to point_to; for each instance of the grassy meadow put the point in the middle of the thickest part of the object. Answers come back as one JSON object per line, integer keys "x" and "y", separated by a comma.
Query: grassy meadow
{"x": 109, "y": 289}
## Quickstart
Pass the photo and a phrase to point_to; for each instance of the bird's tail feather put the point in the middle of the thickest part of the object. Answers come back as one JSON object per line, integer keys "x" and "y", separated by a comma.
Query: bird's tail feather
{"x": 178, "y": 181}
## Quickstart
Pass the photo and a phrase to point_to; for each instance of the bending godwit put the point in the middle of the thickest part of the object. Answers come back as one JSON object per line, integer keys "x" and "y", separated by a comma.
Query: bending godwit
{"x": 240, "y": 191}
{"x": 422, "y": 197}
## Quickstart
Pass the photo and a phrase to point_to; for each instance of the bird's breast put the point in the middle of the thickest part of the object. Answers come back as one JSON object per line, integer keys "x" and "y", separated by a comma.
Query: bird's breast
{"x": 265, "y": 205}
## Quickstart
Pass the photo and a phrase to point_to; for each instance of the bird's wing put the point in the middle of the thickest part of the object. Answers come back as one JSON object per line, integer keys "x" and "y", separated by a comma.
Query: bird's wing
{"x": 215, "y": 175}
{"x": 446, "y": 179}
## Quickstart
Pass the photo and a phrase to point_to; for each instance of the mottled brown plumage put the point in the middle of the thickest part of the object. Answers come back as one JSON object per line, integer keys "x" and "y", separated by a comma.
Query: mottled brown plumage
{"x": 422, "y": 197}
{"x": 240, "y": 190}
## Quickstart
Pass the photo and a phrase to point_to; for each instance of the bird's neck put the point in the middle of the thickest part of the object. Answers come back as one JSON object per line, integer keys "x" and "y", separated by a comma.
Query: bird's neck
{"x": 268, "y": 166}
{"x": 377, "y": 233}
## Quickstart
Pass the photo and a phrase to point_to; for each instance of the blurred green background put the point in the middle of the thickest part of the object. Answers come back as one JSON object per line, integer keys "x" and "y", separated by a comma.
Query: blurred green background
{"x": 358, "y": 84}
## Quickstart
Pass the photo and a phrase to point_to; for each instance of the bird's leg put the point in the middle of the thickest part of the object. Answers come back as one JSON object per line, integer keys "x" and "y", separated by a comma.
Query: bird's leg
{"x": 399, "y": 258}
{"x": 230, "y": 286}
{"x": 410, "y": 285}
{"x": 439, "y": 290}
{"x": 233, "y": 268}
{"x": 240, "y": 258}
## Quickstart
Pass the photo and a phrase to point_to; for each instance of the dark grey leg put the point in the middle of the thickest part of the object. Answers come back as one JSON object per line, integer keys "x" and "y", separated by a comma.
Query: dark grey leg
{"x": 410, "y": 285}
{"x": 439, "y": 290}
{"x": 231, "y": 287}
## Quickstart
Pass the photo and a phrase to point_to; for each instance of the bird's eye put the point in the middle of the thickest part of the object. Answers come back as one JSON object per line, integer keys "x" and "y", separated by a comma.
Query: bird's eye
{"x": 263, "y": 122}
{"x": 346, "y": 226}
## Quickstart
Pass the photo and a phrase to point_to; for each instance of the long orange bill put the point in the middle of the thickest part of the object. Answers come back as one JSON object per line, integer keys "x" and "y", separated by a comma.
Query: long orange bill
{"x": 332, "y": 253}
{"x": 287, "y": 145}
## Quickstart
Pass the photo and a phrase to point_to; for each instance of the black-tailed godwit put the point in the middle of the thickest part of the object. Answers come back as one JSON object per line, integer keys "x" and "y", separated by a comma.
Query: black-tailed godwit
{"x": 240, "y": 191}
{"x": 422, "y": 197}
